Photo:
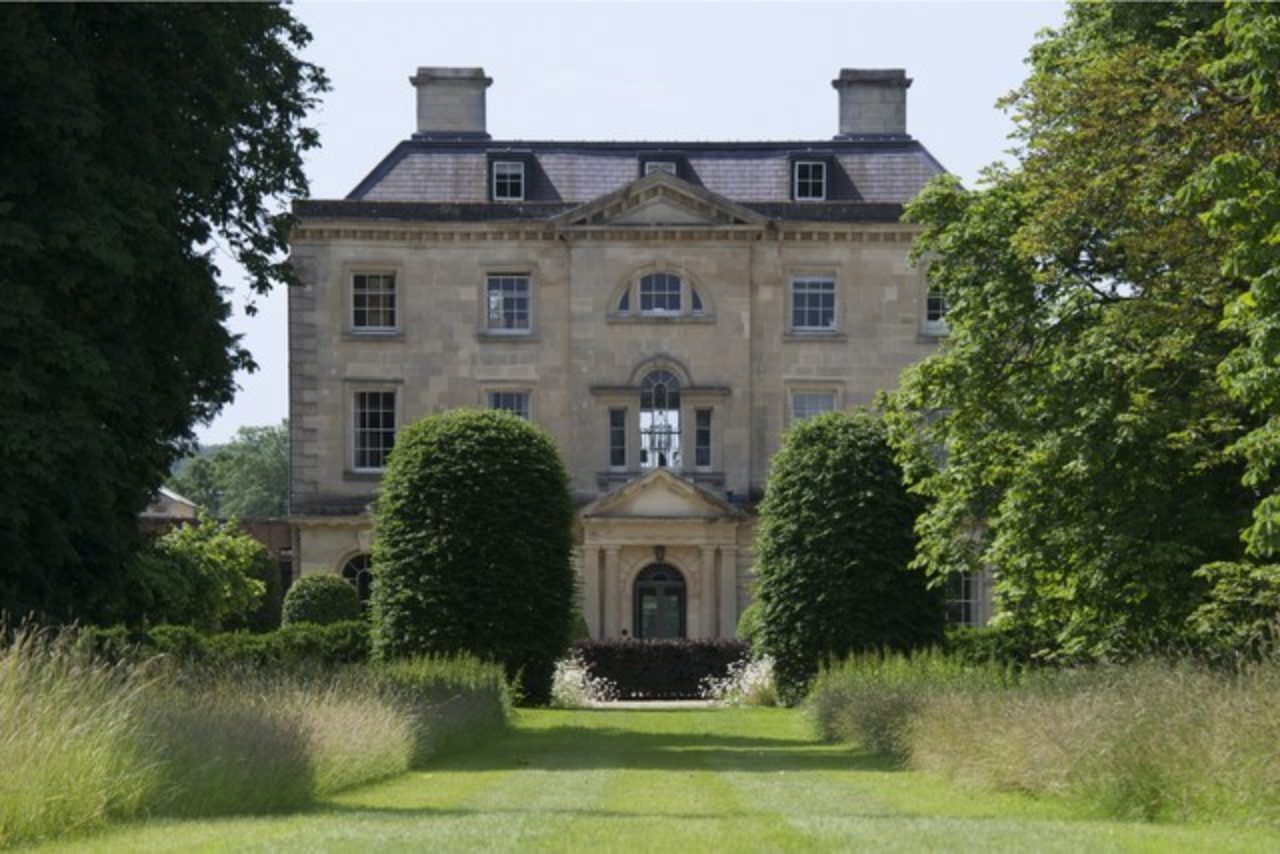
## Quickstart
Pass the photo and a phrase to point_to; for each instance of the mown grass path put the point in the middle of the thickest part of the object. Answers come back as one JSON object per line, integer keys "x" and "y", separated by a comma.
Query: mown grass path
{"x": 686, "y": 780}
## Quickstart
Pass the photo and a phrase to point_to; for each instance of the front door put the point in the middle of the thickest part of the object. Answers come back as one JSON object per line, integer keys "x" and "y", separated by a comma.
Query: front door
{"x": 660, "y": 602}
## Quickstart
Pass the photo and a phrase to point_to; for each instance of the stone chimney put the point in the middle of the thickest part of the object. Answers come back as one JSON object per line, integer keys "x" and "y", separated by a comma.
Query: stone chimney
{"x": 451, "y": 102}
{"x": 873, "y": 101}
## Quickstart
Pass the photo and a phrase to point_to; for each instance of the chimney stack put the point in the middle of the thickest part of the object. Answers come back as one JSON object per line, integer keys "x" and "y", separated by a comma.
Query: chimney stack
{"x": 451, "y": 102}
{"x": 873, "y": 101}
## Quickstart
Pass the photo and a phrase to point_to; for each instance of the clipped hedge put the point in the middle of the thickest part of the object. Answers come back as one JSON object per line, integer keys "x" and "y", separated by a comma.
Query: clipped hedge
{"x": 833, "y": 550}
{"x": 660, "y": 669}
{"x": 299, "y": 645}
{"x": 320, "y": 599}
{"x": 473, "y": 550}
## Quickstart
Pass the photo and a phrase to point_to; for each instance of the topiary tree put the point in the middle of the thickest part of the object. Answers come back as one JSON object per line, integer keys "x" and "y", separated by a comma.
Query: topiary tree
{"x": 833, "y": 544}
{"x": 473, "y": 545}
{"x": 320, "y": 599}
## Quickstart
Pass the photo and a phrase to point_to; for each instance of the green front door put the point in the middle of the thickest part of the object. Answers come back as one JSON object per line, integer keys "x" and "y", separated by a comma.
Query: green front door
{"x": 660, "y": 602}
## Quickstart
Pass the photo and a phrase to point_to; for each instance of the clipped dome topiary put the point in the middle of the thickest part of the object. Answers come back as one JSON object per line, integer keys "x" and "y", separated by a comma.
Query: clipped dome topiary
{"x": 473, "y": 545}
{"x": 835, "y": 539}
{"x": 320, "y": 599}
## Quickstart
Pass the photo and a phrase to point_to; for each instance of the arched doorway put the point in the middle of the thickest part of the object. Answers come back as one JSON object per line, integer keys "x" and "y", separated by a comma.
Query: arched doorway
{"x": 359, "y": 571}
{"x": 660, "y": 602}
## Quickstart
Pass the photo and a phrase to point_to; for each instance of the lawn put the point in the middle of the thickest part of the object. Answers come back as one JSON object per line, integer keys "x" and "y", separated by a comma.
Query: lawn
{"x": 705, "y": 779}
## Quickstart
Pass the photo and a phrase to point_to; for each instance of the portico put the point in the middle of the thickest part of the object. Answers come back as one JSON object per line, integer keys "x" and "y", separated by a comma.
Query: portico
{"x": 660, "y": 559}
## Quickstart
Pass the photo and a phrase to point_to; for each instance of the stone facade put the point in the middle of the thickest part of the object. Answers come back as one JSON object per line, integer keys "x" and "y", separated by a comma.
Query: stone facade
{"x": 590, "y": 237}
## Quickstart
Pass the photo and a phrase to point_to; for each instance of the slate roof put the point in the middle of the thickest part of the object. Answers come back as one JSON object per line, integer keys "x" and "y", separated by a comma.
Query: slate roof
{"x": 868, "y": 169}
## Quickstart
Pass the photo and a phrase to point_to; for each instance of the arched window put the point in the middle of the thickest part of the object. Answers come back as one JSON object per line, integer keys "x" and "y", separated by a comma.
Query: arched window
{"x": 659, "y": 602}
{"x": 661, "y": 295}
{"x": 359, "y": 571}
{"x": 659, "y": 420}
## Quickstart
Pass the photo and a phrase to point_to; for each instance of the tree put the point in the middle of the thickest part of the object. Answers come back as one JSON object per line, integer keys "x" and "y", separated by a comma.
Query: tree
{"x": 247, "y": 478}
{"x": 138, "y": 142}
{"x": 833, "y": 549}
{"x": 1088, "y": 442}
{"x": 209, "y": 575}
{"x": 473, "y": 545}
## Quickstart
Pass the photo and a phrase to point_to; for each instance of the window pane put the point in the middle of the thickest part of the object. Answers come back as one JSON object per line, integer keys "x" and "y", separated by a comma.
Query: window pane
{"x": 508, "y": 302}
{"x": 508, "y": 181}
{"x": 373, "y": 301}
{"x": 808, "y": 404}
{"x": 660, "y": 294}
{"x": 660, "y": 421}
{"x": 813, "y": 304}
{"x": 702, "y": 439}
{"x": 375, "y": 428}
{"x": 617, "y": 438}
{"x": 515, "y": 402}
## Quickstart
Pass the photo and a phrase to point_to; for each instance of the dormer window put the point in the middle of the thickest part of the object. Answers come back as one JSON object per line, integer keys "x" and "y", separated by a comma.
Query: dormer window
{"x": 809, "y": 182}
{"x": 508, "y": 181}
{"x": 660, "y": 167}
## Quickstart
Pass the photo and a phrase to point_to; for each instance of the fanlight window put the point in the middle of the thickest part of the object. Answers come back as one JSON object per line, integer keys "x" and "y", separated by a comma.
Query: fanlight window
{"x": 359, "y": 572}
{"x": 661, "y": 295}
{"x": 660, "y": 421}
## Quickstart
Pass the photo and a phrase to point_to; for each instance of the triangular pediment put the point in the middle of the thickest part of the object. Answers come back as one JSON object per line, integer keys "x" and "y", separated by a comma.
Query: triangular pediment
{"x": 660, "y": 200}
{"x": 660, "y": 495}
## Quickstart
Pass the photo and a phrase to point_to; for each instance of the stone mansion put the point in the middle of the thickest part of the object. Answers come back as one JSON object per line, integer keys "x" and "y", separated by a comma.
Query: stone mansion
{"x": 663, "y": 309}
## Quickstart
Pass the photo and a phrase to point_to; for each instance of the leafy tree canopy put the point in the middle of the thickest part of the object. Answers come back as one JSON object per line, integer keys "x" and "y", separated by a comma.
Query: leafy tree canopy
{"x": 833, "y": 546}
{"x": 138, "y": 144}
{"x": 1091, "y": 451}
{"x": 247, "y": 478}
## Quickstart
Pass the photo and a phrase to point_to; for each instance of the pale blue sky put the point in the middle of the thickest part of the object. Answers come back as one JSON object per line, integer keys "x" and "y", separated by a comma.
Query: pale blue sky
{"x": 710, "y": 71}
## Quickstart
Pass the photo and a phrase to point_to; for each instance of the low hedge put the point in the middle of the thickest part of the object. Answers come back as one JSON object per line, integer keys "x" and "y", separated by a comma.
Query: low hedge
{"x": 320, "y": 599}
{"x": 298, "y": 645}
{"x": 660, "y": 669}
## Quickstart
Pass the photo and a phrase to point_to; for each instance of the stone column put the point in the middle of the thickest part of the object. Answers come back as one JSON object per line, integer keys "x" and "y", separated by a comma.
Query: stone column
{"x": 707, "y": 575}
{"x": 612, "y": 603}
{"x": 591, "y": 590}
{"x": 728, "y": 591}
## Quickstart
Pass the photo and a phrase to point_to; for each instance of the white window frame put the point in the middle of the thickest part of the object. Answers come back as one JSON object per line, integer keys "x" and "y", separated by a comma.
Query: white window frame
{"x": 356, "y": 429}
{"x": 624, "y": 413}
{"x": 500, "y": 166}
{"x": 935, "y": 327}
{"x": 493, "y": 399}
{"x": 795, "y": 180}
{"x": 663, "y": 167}
{"x": 963, "y": 597}
{"x": 835, "y": 304}
{"x": 394, "y": 291}
{"x": 664, "y": 312}
{"x": 501, "y": 329}
{"x": 796, "y": 393}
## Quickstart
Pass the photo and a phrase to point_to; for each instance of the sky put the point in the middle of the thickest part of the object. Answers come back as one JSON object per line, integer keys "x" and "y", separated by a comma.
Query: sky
{"x": 636, "y": 71}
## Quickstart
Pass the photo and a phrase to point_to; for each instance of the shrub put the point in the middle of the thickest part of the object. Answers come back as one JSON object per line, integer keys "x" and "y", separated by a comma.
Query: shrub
{"x": 473, "y": 547}
{"x": 833, "y": 545}
{"x": 573, "y": 686}
{"x": 320, "y": 599}
{"x": 669, "y": 669}
{"x": 749, "y": 682}
{"x": 1241, "y": 614}
{"x": 297, "y": 646}
{"x": 749, "y": 626}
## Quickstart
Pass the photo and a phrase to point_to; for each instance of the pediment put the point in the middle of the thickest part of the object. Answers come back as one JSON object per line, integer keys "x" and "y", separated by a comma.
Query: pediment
{"x": 660, "y": 200}
{"x": 660, "y": 495}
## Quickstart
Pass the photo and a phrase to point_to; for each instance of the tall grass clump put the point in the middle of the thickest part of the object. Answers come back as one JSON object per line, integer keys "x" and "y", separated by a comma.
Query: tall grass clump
{"x": 871, "y": 699}
{"x": 71, "y": 742}
{"x": 1148, "y": 740}
{"x": 86, "y": 742}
